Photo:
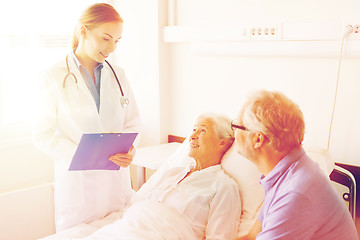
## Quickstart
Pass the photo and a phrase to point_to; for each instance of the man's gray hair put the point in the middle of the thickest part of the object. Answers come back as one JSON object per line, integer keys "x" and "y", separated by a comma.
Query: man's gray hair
{"x": 277, "y": 117}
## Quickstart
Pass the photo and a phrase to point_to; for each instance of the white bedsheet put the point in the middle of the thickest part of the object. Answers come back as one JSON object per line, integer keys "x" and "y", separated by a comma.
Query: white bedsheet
{"x": 84, "y": 229}
{"x": 151, "y": 220}
{"x": 142, "y": 221}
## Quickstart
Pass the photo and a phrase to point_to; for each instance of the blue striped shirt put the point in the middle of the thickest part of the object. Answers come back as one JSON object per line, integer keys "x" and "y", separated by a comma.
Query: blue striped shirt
{"x": 93, "y": 87}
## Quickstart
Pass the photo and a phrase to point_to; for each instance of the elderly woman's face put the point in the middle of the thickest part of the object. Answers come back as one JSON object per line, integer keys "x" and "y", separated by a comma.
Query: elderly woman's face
{"x": 203, "y": 140}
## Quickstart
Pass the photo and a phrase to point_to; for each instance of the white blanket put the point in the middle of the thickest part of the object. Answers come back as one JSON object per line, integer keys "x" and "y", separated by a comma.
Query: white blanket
{"x": 144, "y": 220}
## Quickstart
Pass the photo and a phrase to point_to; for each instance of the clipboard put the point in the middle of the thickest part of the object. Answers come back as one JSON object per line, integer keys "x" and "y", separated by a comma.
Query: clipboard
{"x": 95, "y": 149}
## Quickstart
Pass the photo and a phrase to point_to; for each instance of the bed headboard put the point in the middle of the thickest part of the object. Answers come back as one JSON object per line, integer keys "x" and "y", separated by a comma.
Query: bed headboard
{"x": 173, "y": 138}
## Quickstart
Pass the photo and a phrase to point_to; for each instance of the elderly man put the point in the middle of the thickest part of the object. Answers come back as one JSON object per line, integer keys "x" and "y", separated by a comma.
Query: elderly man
{"x": 300, "y": 202}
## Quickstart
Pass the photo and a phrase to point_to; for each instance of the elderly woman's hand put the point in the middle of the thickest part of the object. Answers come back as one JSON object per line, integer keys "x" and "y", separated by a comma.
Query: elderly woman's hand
{"x": 123, "y": 159}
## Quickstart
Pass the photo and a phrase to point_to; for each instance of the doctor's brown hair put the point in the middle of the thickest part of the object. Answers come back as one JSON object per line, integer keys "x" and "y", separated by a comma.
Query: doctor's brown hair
{"x": 92, "y": 17}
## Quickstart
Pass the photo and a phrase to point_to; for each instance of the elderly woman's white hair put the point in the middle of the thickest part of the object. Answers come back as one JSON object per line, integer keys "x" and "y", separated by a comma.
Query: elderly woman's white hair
{"x": 222, "y": 126}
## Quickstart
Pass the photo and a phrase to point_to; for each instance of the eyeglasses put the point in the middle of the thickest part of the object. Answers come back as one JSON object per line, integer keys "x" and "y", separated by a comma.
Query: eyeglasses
{"x": 235, "y": 126}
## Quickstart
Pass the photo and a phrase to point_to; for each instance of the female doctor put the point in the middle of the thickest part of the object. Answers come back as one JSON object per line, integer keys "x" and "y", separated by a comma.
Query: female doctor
{"x": 84, "y": 94}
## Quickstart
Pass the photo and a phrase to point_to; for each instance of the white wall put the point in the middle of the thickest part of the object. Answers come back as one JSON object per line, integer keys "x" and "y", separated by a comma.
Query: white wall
{"x": 215, "y": 82}
{"x": 22, "y": 165}
{"x": 26, "y": 192}
{"x": 27, "y": 214}
{"x": 141, "y": 53}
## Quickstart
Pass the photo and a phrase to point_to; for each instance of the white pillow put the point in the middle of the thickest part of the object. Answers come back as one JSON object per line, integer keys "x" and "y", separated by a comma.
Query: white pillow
{"x": 323, "y": 159}
{"x": 252, "y": 193}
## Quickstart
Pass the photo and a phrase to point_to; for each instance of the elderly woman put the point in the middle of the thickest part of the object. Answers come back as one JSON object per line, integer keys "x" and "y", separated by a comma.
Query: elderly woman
{"x": 197, "y": 187}
{"x": 189, "y": 197}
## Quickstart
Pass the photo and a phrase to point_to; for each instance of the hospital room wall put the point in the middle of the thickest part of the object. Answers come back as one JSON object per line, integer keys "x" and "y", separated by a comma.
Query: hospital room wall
{"x": 141, "y": 53}
{"x": 219, "y": 83}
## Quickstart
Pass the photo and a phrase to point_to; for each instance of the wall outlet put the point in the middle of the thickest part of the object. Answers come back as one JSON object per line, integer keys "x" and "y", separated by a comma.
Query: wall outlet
{"x": 357, "y": 28}
{"x": 352, "y": 30}
{"x": 264, "y": 32}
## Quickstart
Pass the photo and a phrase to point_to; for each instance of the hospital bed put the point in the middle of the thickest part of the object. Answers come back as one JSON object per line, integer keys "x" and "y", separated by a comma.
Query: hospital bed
{"x": 243, "y": 171}
{"x": 349, "y": 177}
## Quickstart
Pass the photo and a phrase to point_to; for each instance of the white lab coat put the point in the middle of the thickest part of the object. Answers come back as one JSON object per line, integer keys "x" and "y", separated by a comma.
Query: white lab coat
{"x": 63, "y": 115}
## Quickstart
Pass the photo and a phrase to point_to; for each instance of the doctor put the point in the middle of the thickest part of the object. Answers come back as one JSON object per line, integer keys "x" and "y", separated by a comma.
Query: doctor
{"x": 84, "y": 94}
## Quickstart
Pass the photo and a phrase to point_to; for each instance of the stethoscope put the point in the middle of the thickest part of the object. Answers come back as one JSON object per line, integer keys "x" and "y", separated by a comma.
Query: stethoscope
{"x": 124, "y": 101}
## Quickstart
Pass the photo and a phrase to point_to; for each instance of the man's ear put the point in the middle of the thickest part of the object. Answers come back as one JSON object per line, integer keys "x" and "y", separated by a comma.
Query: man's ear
{"x": 83, "y": 31}
{"x": 258, "y": 139}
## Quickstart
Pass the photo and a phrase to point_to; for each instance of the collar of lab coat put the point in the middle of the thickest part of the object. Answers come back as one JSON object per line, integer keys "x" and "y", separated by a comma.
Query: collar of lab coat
{"x": 97, "y": 118}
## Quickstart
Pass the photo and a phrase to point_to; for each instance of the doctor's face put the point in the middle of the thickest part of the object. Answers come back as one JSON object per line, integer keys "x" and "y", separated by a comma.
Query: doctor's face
{"x": 99, "y": 42}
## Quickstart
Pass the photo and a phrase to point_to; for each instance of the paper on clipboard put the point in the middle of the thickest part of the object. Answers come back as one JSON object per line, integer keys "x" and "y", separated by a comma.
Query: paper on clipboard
{"x": 95, "y": 149}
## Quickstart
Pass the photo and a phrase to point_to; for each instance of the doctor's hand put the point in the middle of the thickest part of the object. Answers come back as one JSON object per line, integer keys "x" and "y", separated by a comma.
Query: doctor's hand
{"x": 123, "y": 159}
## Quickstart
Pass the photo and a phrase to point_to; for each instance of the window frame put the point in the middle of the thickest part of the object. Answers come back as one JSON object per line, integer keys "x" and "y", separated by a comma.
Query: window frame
{"x": 19, "y": 133}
